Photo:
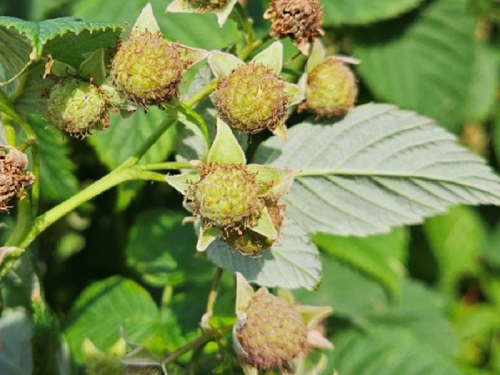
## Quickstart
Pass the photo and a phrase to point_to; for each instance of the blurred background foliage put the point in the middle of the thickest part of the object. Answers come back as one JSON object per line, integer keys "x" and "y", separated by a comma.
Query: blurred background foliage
{"x": 419, "y": 300}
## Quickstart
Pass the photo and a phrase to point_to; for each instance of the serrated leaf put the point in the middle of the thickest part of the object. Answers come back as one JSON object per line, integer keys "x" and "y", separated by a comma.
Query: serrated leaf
{"x": 291, "y": 263}
{"x": 163, "y": 250}
{"x": 58, "y": 170}
{"x": 16, "y": 331}
{"x": 106, "y": 306}
{"x": 456, "y": 239}
{"x": 423, "y": 62}
{"x": 378, "y": 167}
{"x": 65, "y": 39}
{"x": 369, "y": 256}
{"x": 360, "y": 12}
{"x": 388, "y": 351}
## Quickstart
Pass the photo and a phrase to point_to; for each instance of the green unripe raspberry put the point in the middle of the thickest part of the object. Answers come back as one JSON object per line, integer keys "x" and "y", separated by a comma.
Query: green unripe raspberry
{"x": 147, "y": 69}
{"x": 252, "y": 98}
{"x": 227, "y": 195}
{"x": 273, "y": 334}
{"x": 250, "y": 243}
{"x": 76, "y": 106}
{"x": 331, "y": 89}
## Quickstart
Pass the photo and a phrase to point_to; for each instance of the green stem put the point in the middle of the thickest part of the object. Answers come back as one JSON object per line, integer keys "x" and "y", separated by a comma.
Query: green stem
{"x": 213, "y": 292}
{"x": 24, "y": 222}
{"x": 150, "y": 141}
{"x": 173, "y": 165}
{"x": 204, "y": 91}
{"x": 10, "y": 130}
{"x": 110, "y": 180}
{"x": 245, "y": 23}
{"x": 247, "y": 51}
{"x": 207, "y": 335}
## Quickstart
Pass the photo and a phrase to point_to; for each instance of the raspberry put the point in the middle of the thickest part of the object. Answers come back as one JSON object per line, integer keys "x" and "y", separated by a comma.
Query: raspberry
{"x": 301, "y": 20}
{"x": 13, "y": 180}
{"x": 247, "y": 242}
{"x": 331, "y": 89}
{"x": 227, "y": 196}
{"x": 76, "y": 106}
{"x": 147, "y": 69}
{"x": 273, "y": 333}
{"x": 252, "y": 98}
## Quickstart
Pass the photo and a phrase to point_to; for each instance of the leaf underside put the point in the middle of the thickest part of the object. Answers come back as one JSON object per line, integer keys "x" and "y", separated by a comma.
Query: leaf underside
{"x": 376, "y": 168}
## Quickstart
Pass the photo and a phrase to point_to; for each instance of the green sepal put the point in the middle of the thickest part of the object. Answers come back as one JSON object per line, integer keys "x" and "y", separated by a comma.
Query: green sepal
{"x": 225, "y": 149}
{"x": 244, "y": 293}
{"x": 272, "y": 57}
{"x": 183, "y": 182}
{"x": 294, "y": 93}
{"x": 276, "y": 182}
{"x": 207, "y": 236}
{"x": 265, "y": 225}
{"x": 318, "y": 54}
{"x": 222, "y": 64}
{"x": 190, "y": 55}
{"x": 146, "y": 22}
{"x": 281, "y": 131}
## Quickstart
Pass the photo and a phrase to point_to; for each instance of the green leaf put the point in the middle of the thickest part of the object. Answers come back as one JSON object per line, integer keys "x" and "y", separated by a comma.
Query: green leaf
{"x": 206, "y": 34}
{"x": 292, "y": 262}
{"x": 456, "y": 239}
{"x": 162, "y": 250}
{"x": 369, "y": 255}
{"x": 484, "y": 85}
{"x": 106, "y": 306}
{"x": 359, "y": 12}
{"x": 65, "y": 39}
{"x": 376, "y": 168}
{"x": 491, "y": 251}
{"x": 56, "y": 166}
{"x": 388, "y": 351}
{"x": 16, "y": 331}
{"x": 423, "y": 62}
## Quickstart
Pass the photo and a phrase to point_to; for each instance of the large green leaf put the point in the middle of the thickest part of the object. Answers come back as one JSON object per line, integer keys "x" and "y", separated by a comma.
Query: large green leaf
{"x": 423, "y": 62}
{"x": 105, "y": 307}
{"x": 163, "y": 250}
{"x": 65, "y": 39}
{"x": 58, "y": 180}
{"x": 370, "y": 255}
{"x": 484, "y": 85}
{"x": 292, "y": 262}
{"x": 15, "y": 331}
{"x": 387, "y": 351}
{"x": 359, "y": 12}
{"x": 456, "y": 239}
{"x": 363, "y": 302}
{"x": 378, "y": 167}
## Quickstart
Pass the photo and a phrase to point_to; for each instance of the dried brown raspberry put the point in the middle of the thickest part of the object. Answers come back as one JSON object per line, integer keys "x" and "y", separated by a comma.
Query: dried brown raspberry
{"x": 13, "y": 180}
{"x": 301, "y": 20}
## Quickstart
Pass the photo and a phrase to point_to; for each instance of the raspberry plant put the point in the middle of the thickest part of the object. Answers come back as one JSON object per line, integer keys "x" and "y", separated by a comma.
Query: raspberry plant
{"x": 226, "y": 190}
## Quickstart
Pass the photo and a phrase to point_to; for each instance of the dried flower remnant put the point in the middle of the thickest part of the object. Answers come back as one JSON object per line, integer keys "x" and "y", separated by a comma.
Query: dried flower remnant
{"x": 299, "y": 20}
{"x": 13, "y": 179}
